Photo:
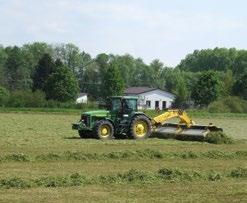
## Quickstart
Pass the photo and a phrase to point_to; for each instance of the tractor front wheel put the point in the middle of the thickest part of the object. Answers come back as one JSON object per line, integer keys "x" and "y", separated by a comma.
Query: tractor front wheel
{"x": 140, "y": 127}
{"x": 82, "y": 133}
{"x": 104, "y": 130}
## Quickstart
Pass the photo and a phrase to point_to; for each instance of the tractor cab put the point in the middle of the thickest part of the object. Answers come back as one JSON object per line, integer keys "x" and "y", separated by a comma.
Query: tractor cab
{"x": 123, "y": 105}
{"x": 120, "y": 120}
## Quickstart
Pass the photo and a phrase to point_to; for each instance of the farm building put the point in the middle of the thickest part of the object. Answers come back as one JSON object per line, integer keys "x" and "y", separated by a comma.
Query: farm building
{"x": 81, "y": 98}
{"x": 151, "y": 98}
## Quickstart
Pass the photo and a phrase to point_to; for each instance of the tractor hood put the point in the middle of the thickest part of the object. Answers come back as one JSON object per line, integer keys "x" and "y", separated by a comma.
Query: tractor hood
{"x": 97, "y": 113}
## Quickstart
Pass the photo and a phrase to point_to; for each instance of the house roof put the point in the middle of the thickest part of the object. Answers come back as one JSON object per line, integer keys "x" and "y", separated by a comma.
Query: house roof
{"x": 81, "y": 94}
{"x": 140, "y": 90}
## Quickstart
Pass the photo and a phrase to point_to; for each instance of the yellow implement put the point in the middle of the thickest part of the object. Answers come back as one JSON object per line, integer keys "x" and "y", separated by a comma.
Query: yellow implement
{"x": 186, "y": 129}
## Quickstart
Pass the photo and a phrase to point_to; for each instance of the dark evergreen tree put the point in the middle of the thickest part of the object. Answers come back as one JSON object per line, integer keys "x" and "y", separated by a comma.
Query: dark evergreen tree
{"x": 44, "y": 68}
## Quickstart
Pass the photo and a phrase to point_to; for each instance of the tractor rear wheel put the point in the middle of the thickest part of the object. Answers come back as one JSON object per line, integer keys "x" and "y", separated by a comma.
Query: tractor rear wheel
{"x": 140, "y": 127}
{"x": 104, "y": 130}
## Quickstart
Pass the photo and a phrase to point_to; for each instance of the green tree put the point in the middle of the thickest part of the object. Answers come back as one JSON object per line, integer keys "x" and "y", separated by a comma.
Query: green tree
{"x": 156, "y": 68}
{"x": 113, "y": 83}
{"x": 70, "y": 56}
{"x": 3, "y": 57}
{"x": 91, "y": 81}
{"x": 62, "y": 85}
{"x": 206, "y": 89}
{"x": 17, "y": 76}
{"x": 240, "y": 63}
{"x": 126, "y": 65}
{"x": 86, "y": 61}
{"x": 33, "y": 52}
{"x": 227, "y": 83}
{"x": 240, "y": 87}
{"x": 44, "y": 68}
{"x": 181, "y": 92}
{"x": 218, "y": 59}
{"x": 169, "y": 76}
{"x": 141, "y": 74}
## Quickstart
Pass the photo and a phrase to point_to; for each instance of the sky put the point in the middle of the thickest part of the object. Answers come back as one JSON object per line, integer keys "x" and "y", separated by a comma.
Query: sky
{"x": 150, "y": 29}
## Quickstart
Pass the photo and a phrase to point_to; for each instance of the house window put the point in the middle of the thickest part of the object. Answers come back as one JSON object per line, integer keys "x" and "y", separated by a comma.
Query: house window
{"x": 157, "y": 104}
{"x": 163, "y": 105}
{"x": 148, "y": 103}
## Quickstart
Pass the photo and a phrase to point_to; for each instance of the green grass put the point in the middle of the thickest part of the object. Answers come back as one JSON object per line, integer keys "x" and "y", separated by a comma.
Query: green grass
{"x": 41, "y": 110}
{"x": 151, "y": 113}
{"x": 42, "y": 159}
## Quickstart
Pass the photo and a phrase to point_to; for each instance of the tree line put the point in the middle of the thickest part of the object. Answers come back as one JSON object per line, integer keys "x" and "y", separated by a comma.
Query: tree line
{"x": 59, "y": 72}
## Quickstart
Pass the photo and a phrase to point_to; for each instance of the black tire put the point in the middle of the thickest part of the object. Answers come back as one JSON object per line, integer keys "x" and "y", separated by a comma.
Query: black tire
{"x": 136, "y": 130}
{"x": 104, "y": 130}
{"x": 82, "y": 133}
{"x": 85, "y": 134}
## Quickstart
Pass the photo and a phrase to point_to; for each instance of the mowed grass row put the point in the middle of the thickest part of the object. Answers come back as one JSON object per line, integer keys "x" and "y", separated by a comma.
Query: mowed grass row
{"x": 132, "y": 176}
{"x": 43, "y": 147}
{"x": 125, "y": 155}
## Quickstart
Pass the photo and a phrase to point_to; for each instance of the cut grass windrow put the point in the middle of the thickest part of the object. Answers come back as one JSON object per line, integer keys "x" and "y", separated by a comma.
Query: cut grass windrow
{"x": 125, "y": 155}
{"x": 132, "y": 176}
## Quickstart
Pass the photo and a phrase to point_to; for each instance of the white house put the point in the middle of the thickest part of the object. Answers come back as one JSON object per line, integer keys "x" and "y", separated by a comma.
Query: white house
{"x": 151, "y": 98}
{"x": 82, "y": 98}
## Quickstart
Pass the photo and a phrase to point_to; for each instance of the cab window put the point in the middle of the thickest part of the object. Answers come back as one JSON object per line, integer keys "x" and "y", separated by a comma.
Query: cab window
{"x": 130, "y": 104}
{"x": 116, "y": 105}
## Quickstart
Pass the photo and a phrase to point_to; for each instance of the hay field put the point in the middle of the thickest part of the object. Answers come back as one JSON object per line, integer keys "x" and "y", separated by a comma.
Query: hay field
{"x": 43, "y": 160}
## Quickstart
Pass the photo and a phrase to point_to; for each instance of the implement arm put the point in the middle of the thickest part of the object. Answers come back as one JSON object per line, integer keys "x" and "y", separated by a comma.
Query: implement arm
{"x": 173, "y": 113}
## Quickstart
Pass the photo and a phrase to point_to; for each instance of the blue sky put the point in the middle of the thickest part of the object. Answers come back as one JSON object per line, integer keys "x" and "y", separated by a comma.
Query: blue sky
{"x": 163, "y": 29}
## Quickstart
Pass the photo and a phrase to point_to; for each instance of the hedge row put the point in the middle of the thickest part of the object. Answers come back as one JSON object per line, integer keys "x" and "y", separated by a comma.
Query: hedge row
{"x": 36, "y": 99}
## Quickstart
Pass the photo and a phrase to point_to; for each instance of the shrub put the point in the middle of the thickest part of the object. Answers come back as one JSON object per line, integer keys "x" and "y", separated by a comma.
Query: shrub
{"x": 4, "y": 95}
{"x": 37, "y": 99}
{"x": 51, "y": 104}
{"x": 69, "y": 105}
{"x": 26, "y": 99}
{"x": 218, "y": 107}
{"x": 89, "y": 105}
{"x": 228, "y": 104}
{"x": 236, "y": 104}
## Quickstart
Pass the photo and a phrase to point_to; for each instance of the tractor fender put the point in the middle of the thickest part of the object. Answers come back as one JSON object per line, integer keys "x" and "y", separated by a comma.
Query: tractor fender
{"x": 139, "y": 114}
{"x": 113, "y": 124}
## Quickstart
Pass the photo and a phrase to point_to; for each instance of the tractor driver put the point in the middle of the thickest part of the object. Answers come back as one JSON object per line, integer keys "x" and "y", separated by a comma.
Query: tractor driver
{"x": 126, "y": 106}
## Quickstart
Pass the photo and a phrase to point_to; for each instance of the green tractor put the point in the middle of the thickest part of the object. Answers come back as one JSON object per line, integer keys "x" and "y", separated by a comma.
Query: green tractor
{"x": 121, "y": 120}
